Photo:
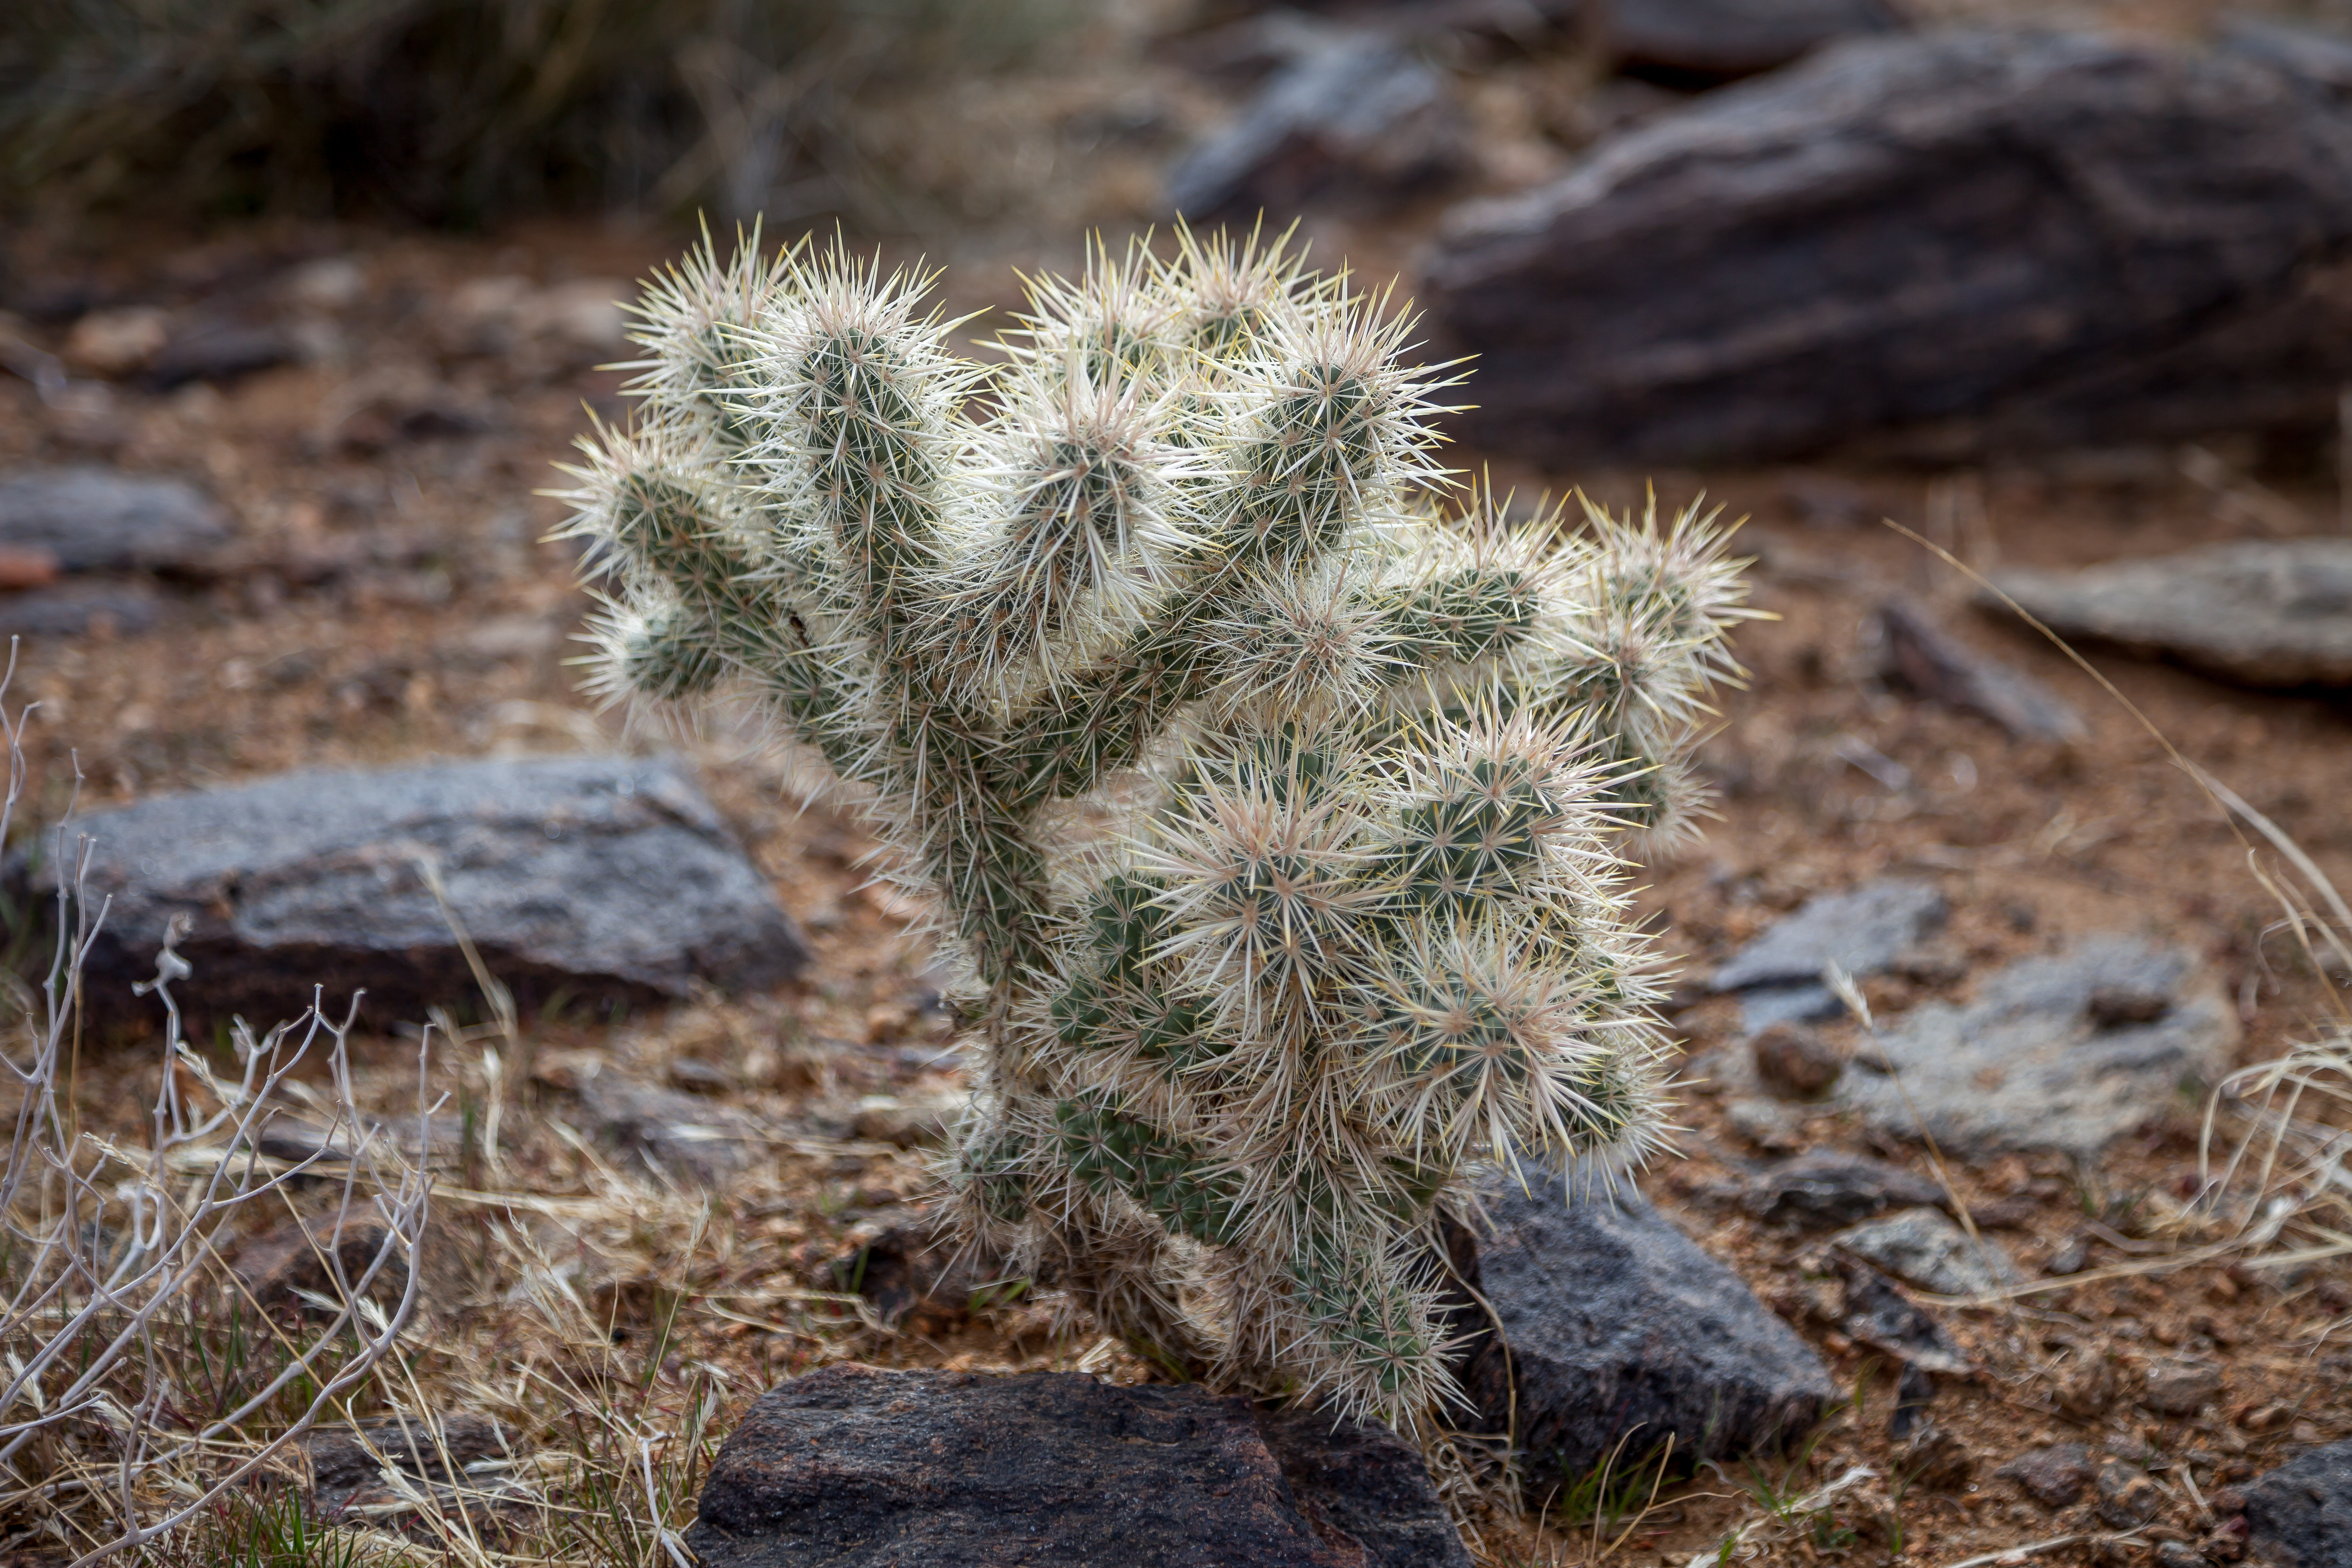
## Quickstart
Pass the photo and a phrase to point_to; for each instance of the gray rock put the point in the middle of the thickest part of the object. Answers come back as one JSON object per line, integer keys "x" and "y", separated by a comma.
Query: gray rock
{"x": 1862, "y": 931}
{"x": 1700, "y": 41}
{"x": 95, "y": 518}
{"x": 1356, "y": 119}
{"x": 2268, "y": 612}
{"x": 76, "y": 609}
{"x": 2313, "y": 57}
{"x": 1951, "y": 240}
{"x": 1829, "y": 1188}
{"x": 851, "y": 1466}
{"x": 1618, "y": 1325}
{"x": 676, "y": 1134}
{"x": 2064, "y": 1052}
{"x": 2300, "y": 1515}
{"x": 2054, "y": 1052}
{"x": 1923, "y": 1247}
{"x": 2180, "y": 1387}
{"x": 1929, "y": 659}
{"x": 431, "y": 1454}
{"x": 605, "y": 878}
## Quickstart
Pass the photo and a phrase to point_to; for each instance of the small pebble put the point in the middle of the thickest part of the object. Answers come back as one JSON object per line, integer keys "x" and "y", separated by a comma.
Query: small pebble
{"x": 1794, "y": 1061}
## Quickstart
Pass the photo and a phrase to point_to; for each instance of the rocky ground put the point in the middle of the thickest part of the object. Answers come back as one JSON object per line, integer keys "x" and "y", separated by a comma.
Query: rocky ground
{"x": 715, "y": 1169}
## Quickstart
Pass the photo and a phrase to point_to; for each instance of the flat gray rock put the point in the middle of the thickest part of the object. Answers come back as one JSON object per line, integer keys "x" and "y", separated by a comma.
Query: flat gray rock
{"x": 2267, "y": 612}
{"x": 1951, "y": 241}
{"x": 93, "y": 519}
{"x": 2064, "y": 1051}
{"x": 1923, "y": 1247}
{"x": 1862, "y": 931}
{"x": 2300, "y": 1515}
{"x": 1619, "y": 1326}
{"x": 1918, "y": 654}
{"x": 76, "y": 609}
{"x": 599, "y": 878}
{"x": 851, "y": 1466}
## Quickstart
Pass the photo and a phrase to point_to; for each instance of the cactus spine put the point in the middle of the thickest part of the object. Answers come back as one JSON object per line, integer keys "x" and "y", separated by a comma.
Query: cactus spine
{"x": 1276, "y": 818}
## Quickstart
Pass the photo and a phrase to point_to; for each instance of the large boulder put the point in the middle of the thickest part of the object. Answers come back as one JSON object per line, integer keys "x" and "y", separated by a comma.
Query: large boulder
{"x": 2267, "y": 612}
{"x": 603, "y": 877}
{"x": 1959, "y": 237}
{"x": 852, "y": 1467}
{"x": 1616, "y": 1328}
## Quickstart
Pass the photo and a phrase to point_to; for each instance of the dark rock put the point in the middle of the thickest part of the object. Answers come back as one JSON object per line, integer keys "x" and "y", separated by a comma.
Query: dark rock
{"x": 93, "y": 519}
{"x": 1359, "y": 118}
{"x": 78, "y": 609}
{"x": 850, "y": 1466}
{"x": 1879, "y": 1315}
{"x": 279, "y": 1268}
{"x": 2074, "y": 1256}
{"x": 1354, "y": 1480}
{"x": 602, "y": 877}
{"x": 1828, "y": 1188}
{"x": 1794, "y": 1062}
{"x": 2179, "y": 1387}
{"x": 2267, "y": 612}
{"x": 1962, "y": 236}
{"x": 2128, "y": 1496}
{"x": 2300, "y": 1515}
{"x": 1862, "y": 931}
{"x": 2029, "y": 1064}
{"x": 1618, "y": 1324}
{"x": 348, "y": 1461}
{"x": 219, "y": 351}
{"x": 676, "y": 1134}
{"x": 1695, "y": 42}
{"x": 1931, "y": 662}
{"x": 2053, "y": 1477}
{"x": 1923, "y": 1247}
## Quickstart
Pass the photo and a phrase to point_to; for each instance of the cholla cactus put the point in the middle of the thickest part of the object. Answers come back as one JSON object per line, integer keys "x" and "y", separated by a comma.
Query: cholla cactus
{"x": 1275, "y": 816}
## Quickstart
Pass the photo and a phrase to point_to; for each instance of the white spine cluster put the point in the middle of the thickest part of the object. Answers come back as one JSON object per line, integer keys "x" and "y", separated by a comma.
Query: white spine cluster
{"x": 1277, "y": 817}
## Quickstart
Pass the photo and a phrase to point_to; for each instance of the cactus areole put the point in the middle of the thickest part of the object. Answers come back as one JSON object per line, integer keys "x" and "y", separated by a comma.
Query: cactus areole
{"x": 1277, "y": 817}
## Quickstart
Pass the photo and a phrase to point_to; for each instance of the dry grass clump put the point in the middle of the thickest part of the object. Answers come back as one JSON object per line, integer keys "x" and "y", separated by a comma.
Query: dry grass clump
{"x": 461, "y": 110}
{"x": 514, "y": 1364}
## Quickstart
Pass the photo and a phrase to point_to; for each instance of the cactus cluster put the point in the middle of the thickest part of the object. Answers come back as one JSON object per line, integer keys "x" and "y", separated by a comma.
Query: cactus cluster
{"x": 1279, "y": 818}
